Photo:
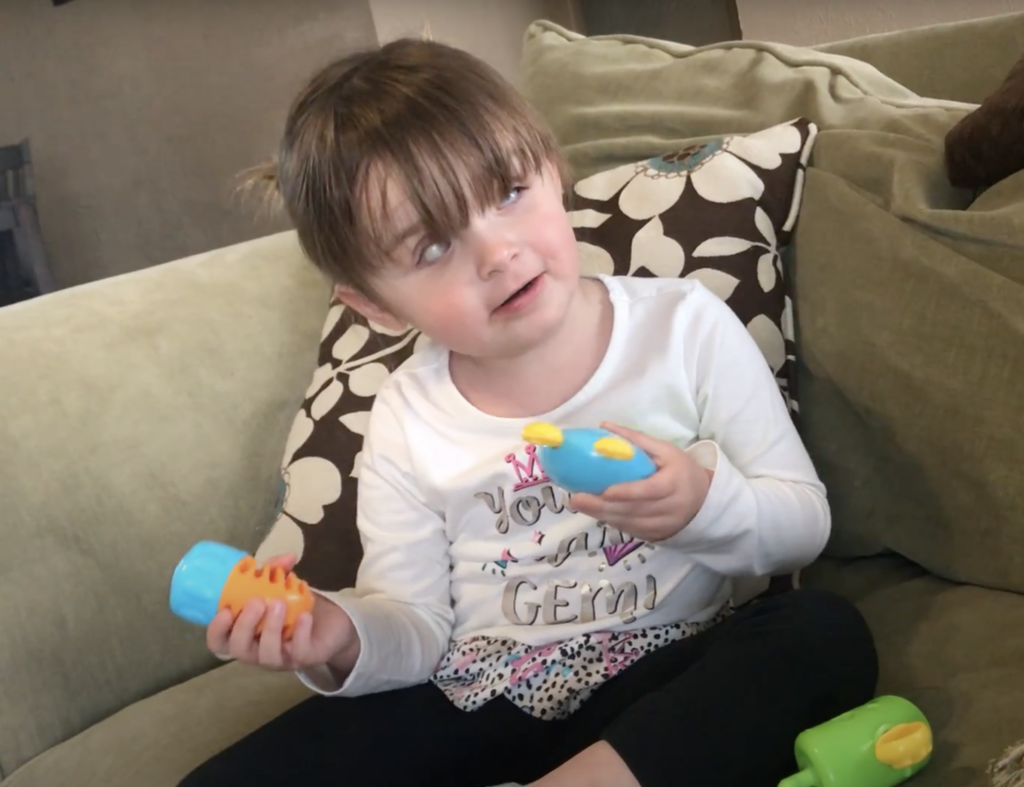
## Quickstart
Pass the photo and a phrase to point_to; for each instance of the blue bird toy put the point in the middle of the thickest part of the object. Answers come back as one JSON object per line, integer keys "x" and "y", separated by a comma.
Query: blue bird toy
{"x": 587, "y": 460}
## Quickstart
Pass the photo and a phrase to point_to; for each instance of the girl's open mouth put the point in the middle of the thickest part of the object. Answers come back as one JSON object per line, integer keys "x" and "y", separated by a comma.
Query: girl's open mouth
{"x": 521, "y": 296}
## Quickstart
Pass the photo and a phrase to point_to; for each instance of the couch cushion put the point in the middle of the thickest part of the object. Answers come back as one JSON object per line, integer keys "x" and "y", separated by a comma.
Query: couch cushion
{"x": 613, "y": 99}
{"x": 909, "y": 307}
{"x": 962, "y": 61}
{"x": 911, "y": 324}
{"x": 955, "y": 650}
{"x": 140, "y": 414}
{"x": 157, "y": 741}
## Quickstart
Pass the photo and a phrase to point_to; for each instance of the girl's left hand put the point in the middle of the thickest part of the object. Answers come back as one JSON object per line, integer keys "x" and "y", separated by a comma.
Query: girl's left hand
{"x": 656, "y": 507}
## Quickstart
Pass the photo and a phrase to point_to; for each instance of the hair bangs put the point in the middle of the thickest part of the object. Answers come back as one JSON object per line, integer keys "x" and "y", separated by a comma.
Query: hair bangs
{"x": 445, "y": 173}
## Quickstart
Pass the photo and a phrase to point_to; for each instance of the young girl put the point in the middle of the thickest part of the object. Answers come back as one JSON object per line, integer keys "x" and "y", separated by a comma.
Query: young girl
{"x": 499, "y": 631}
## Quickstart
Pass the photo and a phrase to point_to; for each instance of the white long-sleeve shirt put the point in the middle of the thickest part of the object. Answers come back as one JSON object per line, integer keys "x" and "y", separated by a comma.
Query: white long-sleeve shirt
{"x": 463, "y": 535}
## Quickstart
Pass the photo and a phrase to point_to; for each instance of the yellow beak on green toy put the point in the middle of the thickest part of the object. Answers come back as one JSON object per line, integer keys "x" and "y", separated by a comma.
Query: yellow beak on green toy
{"x": 905, "y": 745}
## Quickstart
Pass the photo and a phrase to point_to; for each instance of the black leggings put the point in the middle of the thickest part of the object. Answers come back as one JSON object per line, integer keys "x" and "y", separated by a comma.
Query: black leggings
{"x": 719, "y": 708}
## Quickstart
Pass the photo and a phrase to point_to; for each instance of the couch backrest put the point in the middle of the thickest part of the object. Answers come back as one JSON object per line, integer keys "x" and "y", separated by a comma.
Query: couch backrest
{"x": 139, "y": 415}
{"x": 909, "y": 293}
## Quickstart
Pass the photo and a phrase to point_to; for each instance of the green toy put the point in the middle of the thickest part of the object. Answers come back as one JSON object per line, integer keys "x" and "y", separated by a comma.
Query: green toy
{"x": 880, "y": 744}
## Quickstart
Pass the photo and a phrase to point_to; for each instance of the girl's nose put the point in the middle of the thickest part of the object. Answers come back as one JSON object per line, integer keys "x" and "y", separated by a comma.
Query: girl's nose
{"x": 494, "y": 254}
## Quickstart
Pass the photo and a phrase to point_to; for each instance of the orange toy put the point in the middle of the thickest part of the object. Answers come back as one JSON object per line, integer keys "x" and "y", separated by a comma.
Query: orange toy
{"x": 213, "y": 576}
{"x": 248, "y": 581}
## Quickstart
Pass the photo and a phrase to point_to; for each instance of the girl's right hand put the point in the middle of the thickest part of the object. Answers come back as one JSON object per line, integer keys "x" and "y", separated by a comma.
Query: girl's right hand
{"x": 318, "y": 637}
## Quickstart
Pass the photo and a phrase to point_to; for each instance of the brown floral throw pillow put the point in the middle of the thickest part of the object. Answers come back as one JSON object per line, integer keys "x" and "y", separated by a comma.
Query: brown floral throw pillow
{"x": 719, "y": 212}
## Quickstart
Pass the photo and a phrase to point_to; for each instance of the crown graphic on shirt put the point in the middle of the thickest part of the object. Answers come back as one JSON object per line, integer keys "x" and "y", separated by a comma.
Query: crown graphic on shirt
{"x": 530, "y": 472}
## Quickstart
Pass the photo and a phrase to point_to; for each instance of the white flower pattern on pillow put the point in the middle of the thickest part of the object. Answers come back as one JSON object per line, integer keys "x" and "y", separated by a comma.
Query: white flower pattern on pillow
{"x": 718, "y": 170}
{"x": 312, "y": 483}
{"x": 702, "y": 213}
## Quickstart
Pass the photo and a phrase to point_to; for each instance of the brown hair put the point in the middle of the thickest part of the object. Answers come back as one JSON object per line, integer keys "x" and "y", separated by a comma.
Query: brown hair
{"x": 437, "y": 122}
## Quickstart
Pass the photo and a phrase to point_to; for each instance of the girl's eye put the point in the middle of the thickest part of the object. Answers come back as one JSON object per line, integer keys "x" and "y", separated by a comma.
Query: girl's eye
{"x": 513, "y": 196}
{"x": 433, "y": 253}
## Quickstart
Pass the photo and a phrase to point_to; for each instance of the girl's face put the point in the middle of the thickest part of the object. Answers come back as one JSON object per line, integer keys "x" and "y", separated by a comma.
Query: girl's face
{"x": 497, "y": 289}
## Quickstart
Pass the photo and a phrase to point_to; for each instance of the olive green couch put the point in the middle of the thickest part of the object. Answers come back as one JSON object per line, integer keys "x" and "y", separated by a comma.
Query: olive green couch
{"x": 148, "y": 411}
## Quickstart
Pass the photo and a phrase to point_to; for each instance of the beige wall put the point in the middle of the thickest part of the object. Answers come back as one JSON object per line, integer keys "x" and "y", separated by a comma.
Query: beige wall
{"x": 141, "y": 112}
{"x": 810, "y": 22}
{"x": 490, "y": 29}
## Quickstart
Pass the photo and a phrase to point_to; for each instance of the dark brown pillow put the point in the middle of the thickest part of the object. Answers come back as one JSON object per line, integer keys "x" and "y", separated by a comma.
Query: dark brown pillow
{"x": 987, "y": 145}
{"x": 720, "y": 212}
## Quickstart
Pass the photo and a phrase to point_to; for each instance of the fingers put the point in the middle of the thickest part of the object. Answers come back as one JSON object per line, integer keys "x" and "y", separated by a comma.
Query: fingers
{"x": 649, "y": 445}
{"x": 270, "y": 651}
{"x": 626, "y": 495}
{"x": 242, "y": 642}
{"x": 233, "y": 637}
{"x": 653, "y": 521}
{"x": 594, "y": 506}
{"x": 299, "y": 648}
{"x": 619, "y": 511}
{"x": 284, "y": 562}
{"x": 646, "y": 509}
{"x": 657, "y": 487}
{"x": 218, "y": 631}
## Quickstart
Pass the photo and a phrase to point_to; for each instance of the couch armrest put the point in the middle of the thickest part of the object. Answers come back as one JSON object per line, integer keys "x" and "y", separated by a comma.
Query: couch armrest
{"x": 139, "y": 414}
{"x": 957, "y": 61}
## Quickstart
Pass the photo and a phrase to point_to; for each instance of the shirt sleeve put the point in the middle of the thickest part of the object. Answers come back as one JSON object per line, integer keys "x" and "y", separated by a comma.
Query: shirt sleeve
{"x": 401, "y": 604}
{"x": 766, "y": 511}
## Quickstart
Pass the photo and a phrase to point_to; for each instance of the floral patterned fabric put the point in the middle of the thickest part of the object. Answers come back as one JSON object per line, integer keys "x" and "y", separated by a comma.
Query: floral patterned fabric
{"x": 720, "y": 212}
{"x": 552, "y": 681}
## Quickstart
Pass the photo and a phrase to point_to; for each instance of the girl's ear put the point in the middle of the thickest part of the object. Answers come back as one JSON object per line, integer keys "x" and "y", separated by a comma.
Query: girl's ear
{"x": 368, "y": 308}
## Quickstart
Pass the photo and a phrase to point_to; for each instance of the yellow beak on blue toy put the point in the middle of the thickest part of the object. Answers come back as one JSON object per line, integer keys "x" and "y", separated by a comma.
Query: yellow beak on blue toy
{"x": 586, "y": 460}
{"x": 549, "y": 435}
{"x": 541, "y": 433}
